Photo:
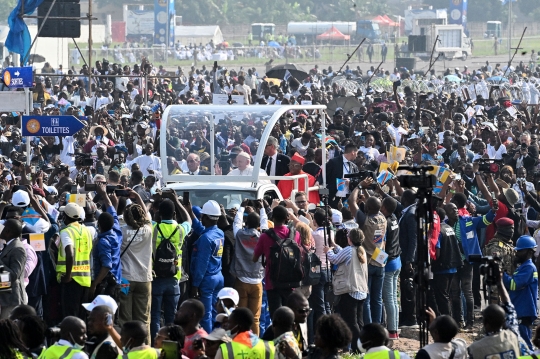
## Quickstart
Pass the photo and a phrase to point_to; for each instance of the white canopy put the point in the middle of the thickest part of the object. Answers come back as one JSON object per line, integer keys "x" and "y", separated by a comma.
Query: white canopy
{"x": 198, "y": 34}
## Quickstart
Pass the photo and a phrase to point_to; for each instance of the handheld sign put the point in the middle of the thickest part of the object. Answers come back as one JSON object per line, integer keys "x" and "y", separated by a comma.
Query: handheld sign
{"x": 50, "y": 125}
{"x": 18, "y": 77}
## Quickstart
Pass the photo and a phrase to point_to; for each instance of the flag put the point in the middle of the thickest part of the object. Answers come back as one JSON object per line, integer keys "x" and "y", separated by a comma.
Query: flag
{"x": 384, "y": 177}
{"x": 287, "y": 75}
{"x": 327, "y": 139}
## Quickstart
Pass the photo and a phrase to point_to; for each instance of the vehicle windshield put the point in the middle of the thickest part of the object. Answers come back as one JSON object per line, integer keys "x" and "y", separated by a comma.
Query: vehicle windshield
{"x": 228, "y": 198}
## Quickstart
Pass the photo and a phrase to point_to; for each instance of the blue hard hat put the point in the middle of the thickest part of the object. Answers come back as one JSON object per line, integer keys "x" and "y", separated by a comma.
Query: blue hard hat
{"x": 525, "y": 242}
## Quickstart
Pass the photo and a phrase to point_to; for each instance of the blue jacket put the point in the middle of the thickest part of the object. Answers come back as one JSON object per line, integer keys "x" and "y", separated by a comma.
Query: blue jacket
{"x": 523, "y": 287}
{"x": 468, "y": 227}
{"x": 107, "y": 250}
{"x": 207, "y": 252}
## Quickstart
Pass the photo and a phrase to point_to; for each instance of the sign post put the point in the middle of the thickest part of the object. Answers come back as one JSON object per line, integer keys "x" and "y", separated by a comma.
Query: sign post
{"x": 50, "y": 125}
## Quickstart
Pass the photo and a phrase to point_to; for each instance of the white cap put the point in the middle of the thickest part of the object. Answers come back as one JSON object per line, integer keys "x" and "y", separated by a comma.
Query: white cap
{"x": 20, "y": 198}
{"x": 72, "y": 210}
{"x": 337, "y": 217}
{"x": 229, "y": 293}
{"x": 101, "y": 300}
{"x": 51, "y": 190}
{"x": 211, "y": 208}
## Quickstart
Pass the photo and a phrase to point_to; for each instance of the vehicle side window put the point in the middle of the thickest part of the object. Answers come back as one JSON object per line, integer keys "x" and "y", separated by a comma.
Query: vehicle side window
{"x": 270, "y": 195}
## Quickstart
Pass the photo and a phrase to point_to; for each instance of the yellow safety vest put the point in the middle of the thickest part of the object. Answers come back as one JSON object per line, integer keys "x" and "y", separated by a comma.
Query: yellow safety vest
{"x": 59, "y": 352}
{"x": 82, "y": 239}
{"x": 234, "y": 350}
{"x": 383, "y": 354}
{"x": 147, "y": 353}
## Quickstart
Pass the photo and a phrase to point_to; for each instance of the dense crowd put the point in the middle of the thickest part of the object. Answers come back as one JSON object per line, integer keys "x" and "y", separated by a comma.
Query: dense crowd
{"x": 102, "y": 259}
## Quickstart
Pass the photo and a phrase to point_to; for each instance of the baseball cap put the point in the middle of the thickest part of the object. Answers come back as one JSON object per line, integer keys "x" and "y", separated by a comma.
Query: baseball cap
{"x": 229, "y": 293}
{"x": 218, "y": 334}
{"x": 337, "y": 217}
{"x": 73, "y": 210}
{"x": 20, "y": 198}
{"x": 101, "y": 300}
{"x": 51, "y": 190}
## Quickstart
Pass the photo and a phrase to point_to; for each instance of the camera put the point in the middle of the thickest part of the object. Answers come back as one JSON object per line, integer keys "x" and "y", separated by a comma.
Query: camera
{"x": 52, "y": 335}
{"x": 5, "y": 281}
{"x": 418, "y": 181}
{"x": 356, "y": 178}
{"x": 489, "y": 267}
{"x": 84, "y": 160}
{"x": 489, "y": 165}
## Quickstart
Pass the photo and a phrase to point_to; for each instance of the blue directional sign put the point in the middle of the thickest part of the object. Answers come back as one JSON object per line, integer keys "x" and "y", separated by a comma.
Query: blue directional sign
{"x": 18, "y": 77}
{"x": 50, "y": 125}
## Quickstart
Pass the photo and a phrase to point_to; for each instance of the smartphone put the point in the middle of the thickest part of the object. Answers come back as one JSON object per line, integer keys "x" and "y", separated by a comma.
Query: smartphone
{"x": 88, "y": 162}
{"x": 170, "y": 349}
{"x": 33, "y": 169}
{"x": 74, "y": 189}
{"x": 109, "y": 319}
{"x": 362, "y": 138}
{"x": 493, "y": 197}
{"x": 121, "y": 192}
{"x": 110, "y": 188}
{"x": 457, "y": 177}
{"x": 185, "y": 198}
{"x": 90, "y": 187}
{"x": 116, "y": 156}
{"x": 383, "y": 123}
{"x": 110, "y": 112}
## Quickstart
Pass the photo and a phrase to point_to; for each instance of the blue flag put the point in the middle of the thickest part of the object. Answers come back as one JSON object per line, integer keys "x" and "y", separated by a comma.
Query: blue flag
{"x": 19, "y": 39}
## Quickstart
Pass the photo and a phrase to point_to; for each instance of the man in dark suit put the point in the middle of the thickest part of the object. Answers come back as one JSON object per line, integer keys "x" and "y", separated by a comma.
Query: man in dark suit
{"x": 336, "y": 168}
{"x": 274, "y": 163}
{"x": 13, "y": 258}
{"x": 193, "y": 164}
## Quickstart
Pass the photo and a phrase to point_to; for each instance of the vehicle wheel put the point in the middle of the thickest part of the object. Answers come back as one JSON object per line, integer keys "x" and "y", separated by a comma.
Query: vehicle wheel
{"x": 464, "y": 56}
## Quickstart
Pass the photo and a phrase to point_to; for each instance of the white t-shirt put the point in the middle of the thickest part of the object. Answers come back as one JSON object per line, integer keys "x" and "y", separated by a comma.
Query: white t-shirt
{"x": 496, "y": 154}
{"x": 370, "y": 152}
{"x": 300, "y": 147}
{"x": 396, "y": 133}
{"x": 147, "y": 163}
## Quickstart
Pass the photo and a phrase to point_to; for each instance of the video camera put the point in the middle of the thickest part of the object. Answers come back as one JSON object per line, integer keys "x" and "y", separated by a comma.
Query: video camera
{"x": 356, "y": 178}
{"x": 5, "y": 282}
{"x": 489, "y": 165}
{"x": 489, "y": 268}
{"x": 84, "y": 160}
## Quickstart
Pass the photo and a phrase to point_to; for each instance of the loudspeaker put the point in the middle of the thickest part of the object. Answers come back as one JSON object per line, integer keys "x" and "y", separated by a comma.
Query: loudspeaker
{"x": 417, "y": 43}
{"x": 408, "y": 62}
{"x": 60, "y": 28}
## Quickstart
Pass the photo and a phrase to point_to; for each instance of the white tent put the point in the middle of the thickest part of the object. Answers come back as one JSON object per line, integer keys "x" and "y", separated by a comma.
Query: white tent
{"x": 198, "y": 34}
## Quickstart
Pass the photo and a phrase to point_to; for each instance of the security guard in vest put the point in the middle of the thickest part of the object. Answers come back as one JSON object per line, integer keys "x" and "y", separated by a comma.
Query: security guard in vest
{"x": 244, "y": 342}
{"x": 134, "y": 334}
{"x": 373, "y": 340}
{"x": 71, "y": 343}
{"x": 73, "y": 266}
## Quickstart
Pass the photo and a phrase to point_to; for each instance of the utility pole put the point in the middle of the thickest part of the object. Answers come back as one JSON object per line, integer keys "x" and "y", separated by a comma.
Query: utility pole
{"x": 509, "y": 30}
{"x": 89, "y": 16}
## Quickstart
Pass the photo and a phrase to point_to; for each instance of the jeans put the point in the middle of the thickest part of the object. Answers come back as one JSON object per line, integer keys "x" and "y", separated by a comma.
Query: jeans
{"x": 251, "y": 298}
{"x": 373, "y": 304}
{"x": 408, "y": 297}
{"x": 136, "y": 304}
{"x": 166, "y": 293}
{"x": 462, "y": 282}
{"x": 390, "y": 299}
{"x": 350, "y": 310}
{"x": 440, "y": 286}
{"x": 317, "y": 303}
{"x": 209, "y": 289}
{"x": 277, "y": 298}
{"x": 37, "y": 304}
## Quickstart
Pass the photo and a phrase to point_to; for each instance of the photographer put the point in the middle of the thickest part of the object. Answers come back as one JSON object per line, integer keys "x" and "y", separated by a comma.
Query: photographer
{"x": 501, "y": 328}
{"x": 523, "y": 286}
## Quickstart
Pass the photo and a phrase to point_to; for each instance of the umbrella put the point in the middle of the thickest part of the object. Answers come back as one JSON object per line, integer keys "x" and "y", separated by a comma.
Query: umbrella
{"x": 279, "y": 72}
{"x": 274, "y": 44}
{"x": 497, "y": 79}
{"x": 452, "y": 78}
{"x": 346, "y": 103}
{"x": 36, "y": 58}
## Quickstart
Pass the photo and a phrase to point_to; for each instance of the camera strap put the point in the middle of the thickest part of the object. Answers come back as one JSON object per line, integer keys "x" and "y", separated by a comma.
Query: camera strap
{"x": 135, "y": 235}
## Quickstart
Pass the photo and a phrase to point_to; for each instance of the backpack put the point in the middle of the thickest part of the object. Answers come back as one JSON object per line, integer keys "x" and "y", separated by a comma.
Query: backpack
{"x": 520, "y": 223}
{"x": 166, "y": 257}
{"x": 286, "y": 269}
{"x": 311, "y": 264}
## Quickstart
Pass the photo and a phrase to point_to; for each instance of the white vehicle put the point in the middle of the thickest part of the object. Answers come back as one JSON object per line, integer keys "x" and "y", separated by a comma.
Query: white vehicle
{"x": 228, "y": 190}
{"x": 453, "y": 42}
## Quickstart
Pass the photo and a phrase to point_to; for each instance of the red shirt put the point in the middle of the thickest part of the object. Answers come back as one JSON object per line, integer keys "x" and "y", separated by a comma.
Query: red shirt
{"x": 263, "y": 249}
{"x": 501, "y": 213}
{"x": 286, "y": 187}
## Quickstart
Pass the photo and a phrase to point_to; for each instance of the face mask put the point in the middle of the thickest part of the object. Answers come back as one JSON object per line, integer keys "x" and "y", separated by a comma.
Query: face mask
{"x": 75, "y": 344}
{"x": 229, "y": 332}
{"x": 126, "y": 347}
{"x": 360, "y": 346}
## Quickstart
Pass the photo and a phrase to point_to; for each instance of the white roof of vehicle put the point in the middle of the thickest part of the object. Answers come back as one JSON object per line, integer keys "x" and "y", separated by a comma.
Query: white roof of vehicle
{"x": 238, "y": 186}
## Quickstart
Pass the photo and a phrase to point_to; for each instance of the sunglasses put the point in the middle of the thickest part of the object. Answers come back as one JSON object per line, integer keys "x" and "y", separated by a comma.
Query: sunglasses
{"x": 304, "y": 310}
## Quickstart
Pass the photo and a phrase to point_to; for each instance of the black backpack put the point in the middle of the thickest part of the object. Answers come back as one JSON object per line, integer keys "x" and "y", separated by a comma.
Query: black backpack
{"x": 166, "y": 257}
{"x": 312, "y": 267}
{"x": 520, "y": 224}
{"x": 286, "y": 269}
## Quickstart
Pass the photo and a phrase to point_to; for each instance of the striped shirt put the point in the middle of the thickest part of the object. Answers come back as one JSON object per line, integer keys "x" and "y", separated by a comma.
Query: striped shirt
{"x": 343, "y": 256}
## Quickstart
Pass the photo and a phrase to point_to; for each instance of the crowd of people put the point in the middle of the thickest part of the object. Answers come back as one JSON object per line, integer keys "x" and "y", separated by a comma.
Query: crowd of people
{"x": 101, "y": 259}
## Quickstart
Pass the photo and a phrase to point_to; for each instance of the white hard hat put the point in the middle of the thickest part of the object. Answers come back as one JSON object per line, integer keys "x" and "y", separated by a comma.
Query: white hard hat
{"x": 211, "y": 208}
